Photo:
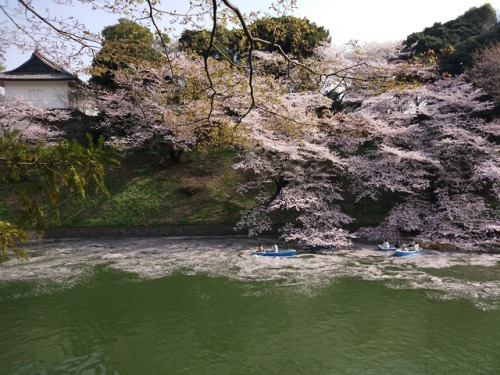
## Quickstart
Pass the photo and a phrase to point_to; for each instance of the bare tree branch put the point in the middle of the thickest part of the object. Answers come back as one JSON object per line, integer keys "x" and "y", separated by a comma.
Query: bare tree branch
{"x": 80, "y": 39}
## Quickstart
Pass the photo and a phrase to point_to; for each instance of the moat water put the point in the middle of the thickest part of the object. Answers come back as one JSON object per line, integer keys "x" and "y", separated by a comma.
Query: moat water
{"x": 207, "y": 306}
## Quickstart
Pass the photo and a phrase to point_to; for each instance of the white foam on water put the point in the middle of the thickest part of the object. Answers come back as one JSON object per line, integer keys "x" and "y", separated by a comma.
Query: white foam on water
{"x": 70, "y": 262}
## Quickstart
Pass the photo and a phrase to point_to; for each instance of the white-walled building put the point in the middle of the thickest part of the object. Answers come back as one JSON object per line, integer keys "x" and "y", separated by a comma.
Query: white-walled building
{"x": 40, "y": 82}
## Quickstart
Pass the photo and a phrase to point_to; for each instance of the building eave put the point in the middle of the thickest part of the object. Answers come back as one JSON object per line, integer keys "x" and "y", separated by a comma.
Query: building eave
{"x": 38, "y": 68}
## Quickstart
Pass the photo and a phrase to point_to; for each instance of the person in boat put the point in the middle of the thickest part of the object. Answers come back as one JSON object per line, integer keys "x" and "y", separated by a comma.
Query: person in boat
{"x": 261, "y": 248}
{"x": 275, "y": 248}
{"x": 386, "y": 245}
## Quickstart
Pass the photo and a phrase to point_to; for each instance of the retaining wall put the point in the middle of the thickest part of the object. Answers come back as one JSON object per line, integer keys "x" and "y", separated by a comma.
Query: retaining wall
{"x": 142, "y": 231}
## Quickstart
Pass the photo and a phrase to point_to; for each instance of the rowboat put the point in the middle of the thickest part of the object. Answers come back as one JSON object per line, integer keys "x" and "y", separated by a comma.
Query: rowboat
{"x": 387, "y": 247}
{"x": 279, "y": 253}
{"x": 412, "y": 250}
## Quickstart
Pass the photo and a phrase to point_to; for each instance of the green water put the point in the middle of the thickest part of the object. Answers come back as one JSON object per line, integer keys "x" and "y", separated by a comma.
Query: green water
{"x": 184, "y": 307}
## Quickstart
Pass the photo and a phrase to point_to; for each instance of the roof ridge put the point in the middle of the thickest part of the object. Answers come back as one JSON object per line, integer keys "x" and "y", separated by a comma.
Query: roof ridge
{"x": 38, "y": 65}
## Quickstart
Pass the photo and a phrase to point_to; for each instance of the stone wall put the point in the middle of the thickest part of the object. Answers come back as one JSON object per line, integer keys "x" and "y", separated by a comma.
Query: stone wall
{"x": 77, "y": 126}
{"x": 142, "y": 231}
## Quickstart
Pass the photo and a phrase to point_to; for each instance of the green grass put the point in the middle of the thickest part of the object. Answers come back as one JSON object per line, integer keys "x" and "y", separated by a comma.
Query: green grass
{"x": 199, "y": 190}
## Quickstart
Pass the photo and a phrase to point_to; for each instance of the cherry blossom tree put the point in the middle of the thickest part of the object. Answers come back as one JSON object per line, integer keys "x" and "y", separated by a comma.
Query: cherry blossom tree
{"x": 34, "y": 124}
{"x": 436, "y": 148}
{"x": 485, "y": 72}
{"x": 302, "y": 179}
{"x": 175, "y": 106}
{"x": 298, "y": 177}
{"x": 432, "y": 148}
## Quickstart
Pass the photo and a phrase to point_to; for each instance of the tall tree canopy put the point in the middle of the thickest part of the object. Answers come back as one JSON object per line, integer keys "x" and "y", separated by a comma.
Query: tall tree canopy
{"x": 126, "y": 43}
{"x": 198, "y": 41}
{"x": 296, "y": 36}
{"x": 453, "y": 42}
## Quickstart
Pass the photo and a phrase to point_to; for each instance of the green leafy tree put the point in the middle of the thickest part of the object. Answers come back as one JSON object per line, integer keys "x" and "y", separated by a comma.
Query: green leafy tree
{"x": 462, "y": 58}
{"x": 454, "y": 42}
{"x": 41, "y": 176}
{"x": 296, "y": 36}
{"x": 124, "y": 44}
{"x": 198, "y": 42}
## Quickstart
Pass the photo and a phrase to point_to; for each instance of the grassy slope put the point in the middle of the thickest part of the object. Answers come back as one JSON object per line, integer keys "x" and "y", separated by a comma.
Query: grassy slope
{"x": 199, "y": 190}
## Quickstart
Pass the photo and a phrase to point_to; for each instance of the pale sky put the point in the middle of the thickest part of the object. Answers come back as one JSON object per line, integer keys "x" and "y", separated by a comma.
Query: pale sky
{"x": 382, "y": 20}
{"x": 363, "y": 20}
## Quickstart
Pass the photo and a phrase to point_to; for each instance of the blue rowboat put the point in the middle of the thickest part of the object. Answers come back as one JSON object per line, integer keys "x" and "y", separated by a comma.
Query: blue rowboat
{"x": 279, "y": 253}
{"x": 408, "y": 251}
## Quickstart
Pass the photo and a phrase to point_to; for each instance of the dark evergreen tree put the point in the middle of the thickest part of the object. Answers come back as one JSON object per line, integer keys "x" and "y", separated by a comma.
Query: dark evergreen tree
{"x": 124, "y": 43}
{"x": 197, "y": 41}
{"x": 296, "y": 36}
{"x": 454, "y": 42}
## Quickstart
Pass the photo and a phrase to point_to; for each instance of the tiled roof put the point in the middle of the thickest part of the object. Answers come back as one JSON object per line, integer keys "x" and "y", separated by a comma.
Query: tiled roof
{"x": 37, "y": 68}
